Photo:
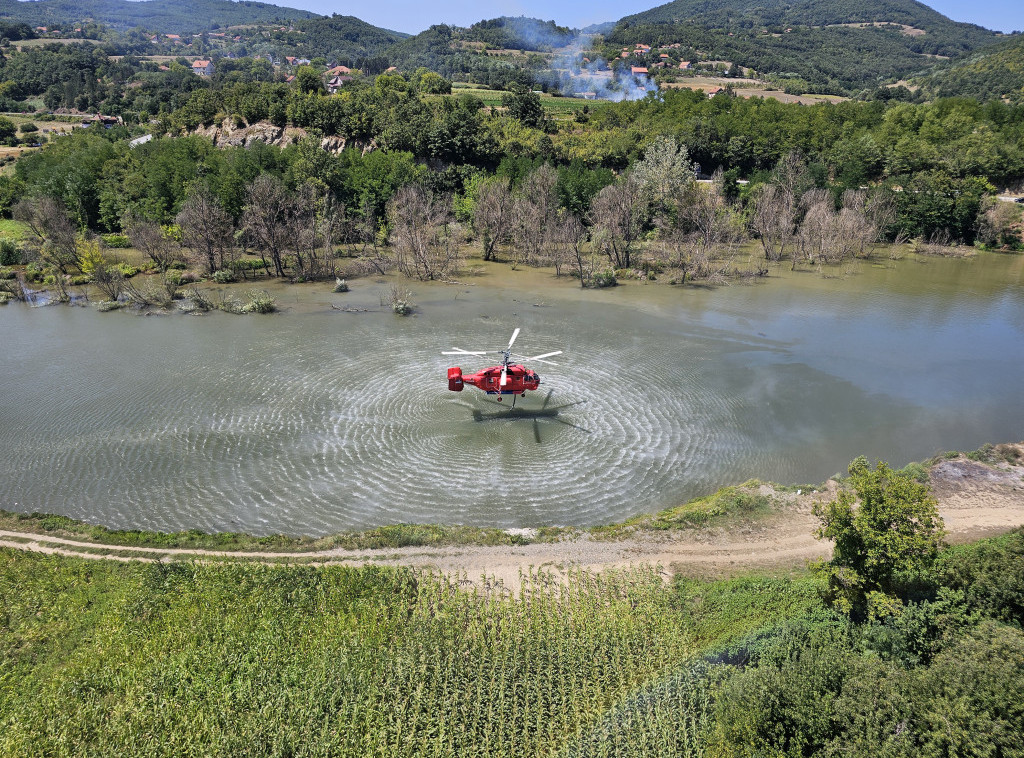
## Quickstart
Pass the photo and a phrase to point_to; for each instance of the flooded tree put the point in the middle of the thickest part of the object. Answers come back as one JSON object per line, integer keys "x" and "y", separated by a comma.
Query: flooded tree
{"x": 534, "y": 213}
{"x": 773, "y": 219}
{"x": 617, "y": 216}
{"x": 571, "y": 235}
{"x": 422, "y": 234}
{"x": 206, "y": 230}
{"x": 666, "y": 175}
{"x": 267, "y": 220}
{"x": 315, "y": 223}
{"x": 493, "y": 213}
{"x": 709, "y": 217}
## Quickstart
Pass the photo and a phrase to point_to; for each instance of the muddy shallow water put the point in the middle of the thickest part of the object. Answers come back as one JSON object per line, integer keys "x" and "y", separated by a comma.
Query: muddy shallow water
{"x": 315, "y": 420}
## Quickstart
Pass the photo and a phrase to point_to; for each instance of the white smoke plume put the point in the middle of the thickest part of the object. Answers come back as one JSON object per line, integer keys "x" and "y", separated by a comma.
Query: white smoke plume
{"x": 573, "y": 76}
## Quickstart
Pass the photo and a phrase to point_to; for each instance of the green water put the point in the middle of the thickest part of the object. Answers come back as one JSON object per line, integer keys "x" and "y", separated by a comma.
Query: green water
{"x": 315, "y": 420}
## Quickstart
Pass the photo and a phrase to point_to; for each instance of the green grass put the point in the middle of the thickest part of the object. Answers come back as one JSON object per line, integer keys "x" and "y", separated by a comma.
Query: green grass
{"x": 394, "y": 536}
{"x": 728, "y": 504}
{"x": 11, "y": 228}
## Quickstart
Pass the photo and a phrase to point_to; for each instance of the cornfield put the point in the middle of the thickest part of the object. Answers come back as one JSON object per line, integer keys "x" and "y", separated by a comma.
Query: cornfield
{"x": 242, "y": 659}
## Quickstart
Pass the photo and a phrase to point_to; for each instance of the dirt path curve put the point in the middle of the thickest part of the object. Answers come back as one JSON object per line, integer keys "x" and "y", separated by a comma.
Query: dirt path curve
{"x": 975, "y": 500}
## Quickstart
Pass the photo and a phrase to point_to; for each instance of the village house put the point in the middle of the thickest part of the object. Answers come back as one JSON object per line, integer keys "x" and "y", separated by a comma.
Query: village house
{"x": 336, "y": 83}
{"x": 202, "y": 67}
{"x": 339, "y": 71}
{"x": 684, "y": 65}
{"x": 637, "y": 70}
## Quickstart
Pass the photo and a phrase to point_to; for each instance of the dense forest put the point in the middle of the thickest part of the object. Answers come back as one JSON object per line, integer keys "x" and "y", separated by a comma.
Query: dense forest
{"x": 897, "y": 646}
{"x": 996, "y": 72}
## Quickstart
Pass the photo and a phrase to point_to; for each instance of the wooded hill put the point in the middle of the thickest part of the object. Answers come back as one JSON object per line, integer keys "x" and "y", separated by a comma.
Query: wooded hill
{"x": 713, "y": 14}
{"x": 165, "y": 16}
{"x": 835, "y": 47}
{"x": 994, "y": 72}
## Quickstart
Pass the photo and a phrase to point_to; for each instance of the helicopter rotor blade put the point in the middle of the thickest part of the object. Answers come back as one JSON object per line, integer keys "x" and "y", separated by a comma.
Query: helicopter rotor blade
{"x": 542, "y": 356}
{"x": 514, "y": 335}
{"x": 460, "y": 351}
{"x": 504, "y": 375}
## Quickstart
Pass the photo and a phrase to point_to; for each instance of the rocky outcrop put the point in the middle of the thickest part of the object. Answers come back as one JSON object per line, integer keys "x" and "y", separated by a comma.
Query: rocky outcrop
{"x": 228, "y": 134}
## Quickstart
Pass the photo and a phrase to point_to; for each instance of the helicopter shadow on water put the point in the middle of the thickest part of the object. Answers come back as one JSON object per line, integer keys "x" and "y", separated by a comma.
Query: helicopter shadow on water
{"x": 545, "y": 412}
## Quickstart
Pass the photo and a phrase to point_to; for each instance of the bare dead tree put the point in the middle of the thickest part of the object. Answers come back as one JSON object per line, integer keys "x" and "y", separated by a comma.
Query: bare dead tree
{"x": 709, "y": 217}
{"x": 617, "y": 216}
{"x": 493, "y": 214}
{"x": 53, "y": 235}
{"x": 792, "y": 177}
{"x": 535, "y": 210}
{"x": 314, "y": 222}
{"x": 773, "y": 219}
{"x": 267, "y": 222}
{"x": 856, "y": 224}
{"x": 571, "y": 235}
{"x": 373, "y": 256}
{"x": 109, "y": 280}
{"x": 206, "y": 229}
{"x": 818, "y": 227}
{"x": 426, "y": 246}
{"x": 149, "y": 239}
{"x": 881, "y": 212}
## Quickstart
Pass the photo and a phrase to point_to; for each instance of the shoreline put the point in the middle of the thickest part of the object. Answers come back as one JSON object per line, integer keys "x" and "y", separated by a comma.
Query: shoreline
{"x": 737, "y": 529}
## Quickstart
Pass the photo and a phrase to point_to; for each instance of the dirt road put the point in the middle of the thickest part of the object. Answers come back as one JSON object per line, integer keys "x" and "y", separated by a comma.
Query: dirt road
{"x": 974, "y": 499}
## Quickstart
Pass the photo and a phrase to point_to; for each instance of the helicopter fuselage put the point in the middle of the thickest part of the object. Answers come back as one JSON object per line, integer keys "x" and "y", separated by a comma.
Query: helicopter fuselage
{"x": 518, "y": 379}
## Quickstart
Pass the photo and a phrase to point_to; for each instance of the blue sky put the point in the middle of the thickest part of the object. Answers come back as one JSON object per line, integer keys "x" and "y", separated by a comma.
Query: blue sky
{"x": 415, "y": 15}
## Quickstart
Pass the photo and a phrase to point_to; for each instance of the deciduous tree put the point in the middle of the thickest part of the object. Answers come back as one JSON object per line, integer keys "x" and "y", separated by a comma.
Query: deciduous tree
{"x": 886, "y": 532}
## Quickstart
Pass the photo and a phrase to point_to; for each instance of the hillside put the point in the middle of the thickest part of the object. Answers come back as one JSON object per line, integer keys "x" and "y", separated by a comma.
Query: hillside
{"x": 839, "y": 46}
{"x": 333, "y": 37}
{"x": 518, "y": 33}
{"x": 994, "y": 72}
{"x": 166, "y": 16}
{"x": 493, "y": 52}
{"x": 768, "y": 13}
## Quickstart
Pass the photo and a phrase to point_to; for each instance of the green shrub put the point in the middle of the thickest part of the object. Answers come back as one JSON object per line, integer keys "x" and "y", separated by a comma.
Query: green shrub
{"x": 10, "y": 253}
{"x": 117, "y": 241}
{"x": 340, "y": 285}
{"x": 223, "y": 276}
{"x": 7, "y": 274}
{"x": 126, "y": 269}
{"x": 916, "y": 471}
{"x": 604, "y": 279}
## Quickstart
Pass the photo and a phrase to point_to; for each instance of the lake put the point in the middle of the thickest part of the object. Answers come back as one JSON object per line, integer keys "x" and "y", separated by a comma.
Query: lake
{"x": 315, "y": 420}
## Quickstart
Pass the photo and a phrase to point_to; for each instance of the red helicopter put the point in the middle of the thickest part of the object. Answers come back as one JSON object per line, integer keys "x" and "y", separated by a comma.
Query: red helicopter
{"x": 507, "y": 379}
